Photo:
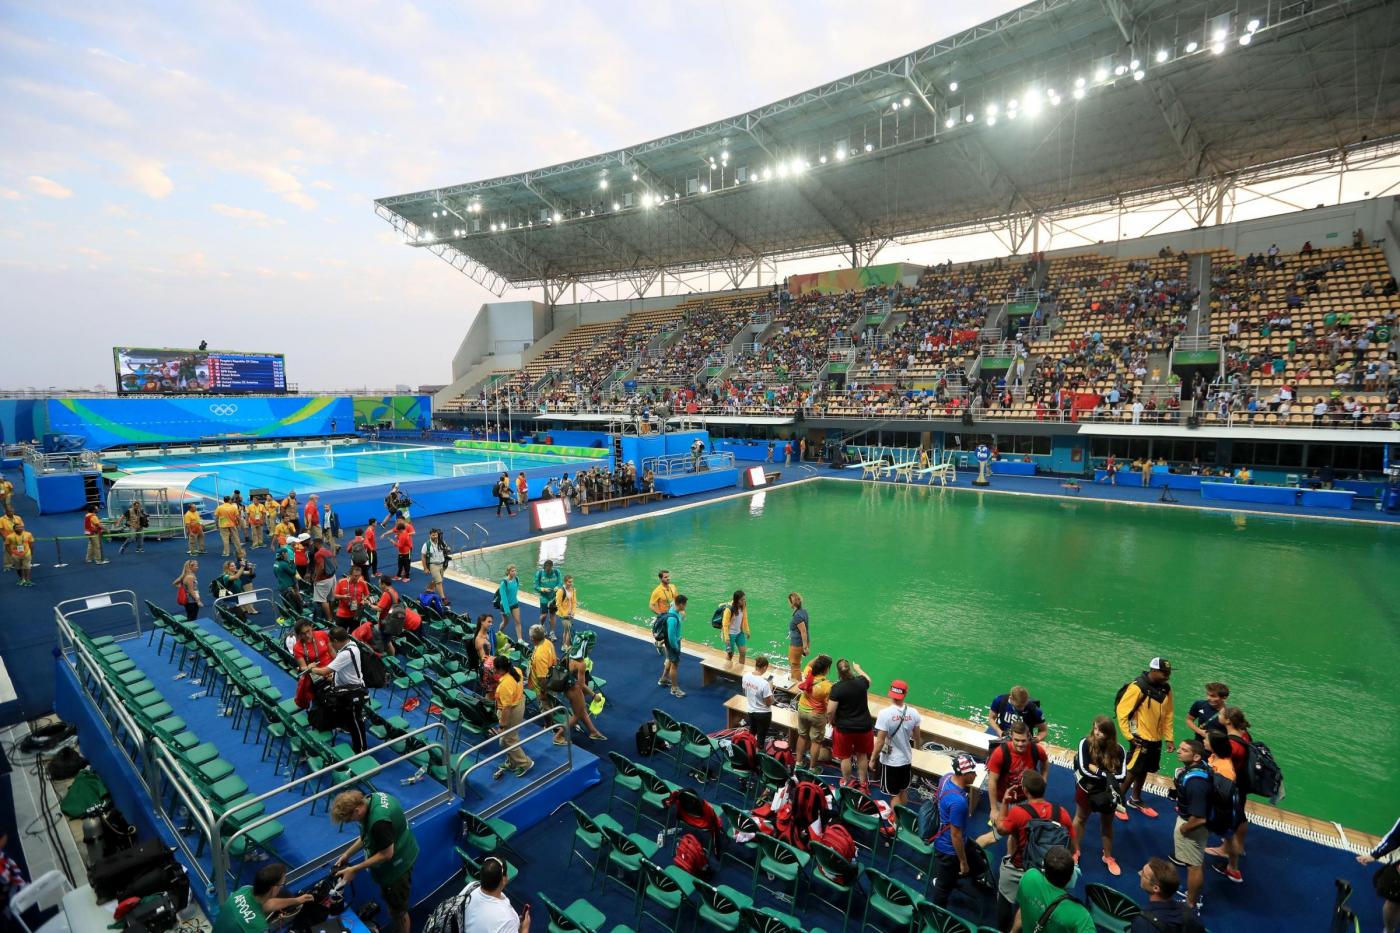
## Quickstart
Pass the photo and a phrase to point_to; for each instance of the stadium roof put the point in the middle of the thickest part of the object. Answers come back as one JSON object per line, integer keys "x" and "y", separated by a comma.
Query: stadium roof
{"x": 1060, "y": 107}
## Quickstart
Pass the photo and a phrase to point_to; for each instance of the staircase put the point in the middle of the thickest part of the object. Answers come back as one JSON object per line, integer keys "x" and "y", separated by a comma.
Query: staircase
{"x": 617, "y": 451}
{"x": 1159, "y": 367}
{"x": 1200, "y": 280}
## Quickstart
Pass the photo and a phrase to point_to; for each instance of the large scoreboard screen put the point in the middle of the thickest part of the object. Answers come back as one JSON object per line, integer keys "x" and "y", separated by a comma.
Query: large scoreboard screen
{"x": 145, "y": 371}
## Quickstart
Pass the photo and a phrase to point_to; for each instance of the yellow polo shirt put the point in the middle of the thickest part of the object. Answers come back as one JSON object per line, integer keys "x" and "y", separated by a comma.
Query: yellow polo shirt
{"x": 662, "y": 597}
{"x": 542, "y": 660}
{"x": 226, "y": 514}
{"x": 256, "y": 514}
{"x": 509, "y": 692}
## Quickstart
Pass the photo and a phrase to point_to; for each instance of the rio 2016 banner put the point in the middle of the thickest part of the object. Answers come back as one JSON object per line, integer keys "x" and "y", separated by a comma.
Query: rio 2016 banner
{"x": 844, "y": 280}
{"x": 406, "y": 412}
{"x": 109, "y": 422}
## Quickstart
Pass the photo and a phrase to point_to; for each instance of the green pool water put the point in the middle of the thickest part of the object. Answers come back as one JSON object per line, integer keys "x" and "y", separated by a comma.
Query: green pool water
{"x": 965, "y": 594}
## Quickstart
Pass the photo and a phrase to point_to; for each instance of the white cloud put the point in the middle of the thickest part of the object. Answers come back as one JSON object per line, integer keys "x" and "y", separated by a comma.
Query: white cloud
{"x": 93, "y": 253}
{"x": 247, "y": 214}
{"x": 48, "y": 187}
{"x": 10, "y": 194}
{"x": 148, "y": 177}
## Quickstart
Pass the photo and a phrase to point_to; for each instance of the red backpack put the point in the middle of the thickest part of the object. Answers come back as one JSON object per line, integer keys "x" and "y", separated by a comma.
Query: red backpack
{"x": 690, "y": 856}
{"x": 745, "y": 749}
{"x": 838, "y": 837}
{"x": 780, "y": 750}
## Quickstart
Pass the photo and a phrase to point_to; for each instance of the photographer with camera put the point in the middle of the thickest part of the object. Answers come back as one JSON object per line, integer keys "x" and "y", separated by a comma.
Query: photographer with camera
{"x": 136, "y": 520}
{"x": 346, "y": 696}
{"x": 487, "y": 909}
{"x": 233, "y": 580}
{"x": 247, "y": 909}
{"x": 391, "y": 850}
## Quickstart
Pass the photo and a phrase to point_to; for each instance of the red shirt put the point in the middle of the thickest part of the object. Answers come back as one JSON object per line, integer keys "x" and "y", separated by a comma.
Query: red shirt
{"x": 371, "y": 539}
{"x": 300, "y": 557}
{"x": 365, "y": 633}
{"x": 1009, "y": 774}
{"x": 92, "y": 525}
{"x": 313, "y": 515}
{"x": 387, "y": 597}
{"x": 404, "y": 541}
{"x": 1017, "y": 820}
{"x": 323, "y": 558}
{"x": 347, "y": 592}
{"x": 322, "y": 643}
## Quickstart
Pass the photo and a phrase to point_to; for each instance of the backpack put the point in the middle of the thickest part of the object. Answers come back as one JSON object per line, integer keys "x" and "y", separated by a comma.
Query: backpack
{"x": 1223, "y": 802}
{"x": 559, "y": 679}
{"x": 1118, "y": 697}
{"x": 1262, "y": 776}
{"x": 660, "y": 627}
{"x": 717, "y": 620}
{"x": 838, "y": 838}
{"x": 690, "y": 856}
{"x": 359, "y": 551}
{"x": 646, "y": 738}
{"x": 929, "y": 823}
{"x": 1042, "y": 834}
{"x": 744, "y": 749}
{"x": 394, "y": 622}
{"x": 782, "y": 751}
{"x": 372, "y": 670}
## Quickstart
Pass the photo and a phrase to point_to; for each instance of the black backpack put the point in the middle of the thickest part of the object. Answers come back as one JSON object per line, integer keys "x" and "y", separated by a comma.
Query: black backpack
{"x": 646, "y": 738}
{"x": 560, "y": 678}
{"x": 371, "y": 668}
{"x": 660, "y": 628}
{"x": 717, "y": 620}
{"x": 359, "y": 551}
{"x": 1042, "y": 834}
{"x": 394, "y": 621}
{"x": 1263, "y": 777}
{"x": 1223, "y": 802}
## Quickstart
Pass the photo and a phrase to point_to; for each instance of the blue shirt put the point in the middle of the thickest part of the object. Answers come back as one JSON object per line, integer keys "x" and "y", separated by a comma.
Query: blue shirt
{"x": 1193, "y": 794}
{"x": 1206, "y": 716}
{"x": 510, "y": 593}
{"x": 673, "y": 629}
{"x": 952, "y": 811}
{"x": 547, "y": 583}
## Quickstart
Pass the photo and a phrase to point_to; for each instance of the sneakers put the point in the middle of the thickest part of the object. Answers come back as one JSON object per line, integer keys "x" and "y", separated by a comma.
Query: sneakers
{"x": 1120, "y": 813}
{"x": 521, "y": 771}
{"x": 1217, "y": 851}
{"x": 663, "y": 683}
{"x": 499, "y": 773}
{"x": 1231, "y": 873}
{"x": 434, "y": 709}
{"x": 1138, "y": 805}
{"x": 1112, "y": 864}
{"x": 411, "y": 704}
{"x": 561, "y": 740}
{"x": 677, "y": 692}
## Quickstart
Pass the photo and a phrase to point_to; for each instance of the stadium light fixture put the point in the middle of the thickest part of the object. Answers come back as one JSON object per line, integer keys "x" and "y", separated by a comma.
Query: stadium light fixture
{"x": 1161, "y": 56}
{"x": 704, "y": 189}
{"x": 1079, "y": 93}
{"x": 1080, "y": 82}
{"x": 952, "y": 85}
{"x": 616, "y": 206}
{"x": 724, "y": 155}
{"x": 767, "y": 173}
{"x": 797, "y": 166}
{"x": 905, "y": 101}
{"x": 992, "y": 121}
{"x": 894, "y": 106}
{"x": 1120, "y": 70}
{"x": 991, "y": 110}
{"x": 634, "y": 176}
{"x": 1139, "y": 75}
{"x": 1219, "y": 35}
{"x": 1135, "y": 65}
{"x": 603, "y": 184}
{"x": 1252, "y": 25}
{"x": 1011, "y": 114}
{"x": 869, "y": 147}
{"x": 948, "y": 123}
{"x": 558, "y": 217}
{"x": 1246, "y": 38}
{"x": 840, "y": 155}
{"x": 1101, "y": 74}
{"x": 822, "y": 160}
{"x": 782, "y": 170}
{"x": 1218, "y": 48}
{"x": 969, "y": 118}
{"x": 1191, "y": 47}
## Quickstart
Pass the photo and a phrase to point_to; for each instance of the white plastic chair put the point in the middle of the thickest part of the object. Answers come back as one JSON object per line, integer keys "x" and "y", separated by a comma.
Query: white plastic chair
{"x": 44, "y": 893}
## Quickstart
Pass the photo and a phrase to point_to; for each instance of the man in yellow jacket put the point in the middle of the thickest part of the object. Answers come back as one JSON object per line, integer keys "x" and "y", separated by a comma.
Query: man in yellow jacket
{"x": 1145, "y": 718}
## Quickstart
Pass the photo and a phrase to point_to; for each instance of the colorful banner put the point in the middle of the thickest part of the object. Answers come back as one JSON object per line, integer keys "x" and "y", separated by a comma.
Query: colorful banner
{"x": 23, "y": 420}
{"x": 109, "y": 422}
{"x": 844, "y": 280}
{"x": 407, "y": 412}
{"x": 592, "y": 453}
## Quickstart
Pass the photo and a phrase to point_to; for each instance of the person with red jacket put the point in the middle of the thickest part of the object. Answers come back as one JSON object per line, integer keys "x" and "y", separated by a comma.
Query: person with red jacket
{"x": 1007, "y": 767}
{"x": 1015, "y": 827}
{"x": 312, "y": 514}
{"x": 372, "y": 543}
{"x": 403, "y": 544}
{"x": 92, "y": 527}
{"x": 351, "y": 594}
{"x": 388, "y": 596}
{"x": 312, "y": 647}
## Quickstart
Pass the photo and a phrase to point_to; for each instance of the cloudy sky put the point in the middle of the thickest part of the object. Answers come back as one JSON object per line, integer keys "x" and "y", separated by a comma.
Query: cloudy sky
{"x": 177, "y": 172}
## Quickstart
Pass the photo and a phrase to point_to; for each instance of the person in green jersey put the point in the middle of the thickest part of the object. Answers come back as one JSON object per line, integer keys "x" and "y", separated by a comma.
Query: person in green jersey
{"x": 247, "y": 908}
{"x": 548, "y": 580}
{"x": 1046, "y": 906}
{"x": 391, "y": 849}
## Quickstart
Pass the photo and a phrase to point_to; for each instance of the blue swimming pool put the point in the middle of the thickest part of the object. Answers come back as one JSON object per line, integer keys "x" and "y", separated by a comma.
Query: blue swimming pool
{"x": 324, "y": 467}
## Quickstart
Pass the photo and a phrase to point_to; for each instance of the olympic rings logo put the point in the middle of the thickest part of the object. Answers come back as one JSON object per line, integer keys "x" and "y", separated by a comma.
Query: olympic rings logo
{"x": 223, "y": 411}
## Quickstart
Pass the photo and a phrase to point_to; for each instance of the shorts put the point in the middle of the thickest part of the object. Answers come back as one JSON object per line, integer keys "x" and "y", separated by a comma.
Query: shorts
{"x": 1145, "y": 758}
{"x": 323, "y": 589}
{"x": 894, "y": 779}
{"x": 673, "y": 654}
{"x": 22, "y": 563}
{"x": 811, "y": 726}
{"x": 547, "y": 607}
{"x": 398, "y": 894}
{"x": 1191, "y": 848}
{"x": 846, "y": 744}
{"x": 1082, "y": 801}
{"x": 736, "y": 641}
{"x": 435, "y": 570}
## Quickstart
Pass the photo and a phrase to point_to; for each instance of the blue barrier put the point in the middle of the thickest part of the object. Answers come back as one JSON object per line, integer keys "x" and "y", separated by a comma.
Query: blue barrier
{"x": 55, "y": 492}
{"x": 1328, "y": 498}
{"x": 1177, "y": 481}
{"x": 1125, "y": 477}
{"x": 688, "y": 484}
{"x": 1013, "y": 468}
{"x": 1274, "y": 495}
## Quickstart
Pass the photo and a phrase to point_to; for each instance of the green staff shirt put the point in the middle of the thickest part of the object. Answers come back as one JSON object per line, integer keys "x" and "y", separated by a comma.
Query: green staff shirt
{"x": 1036, "y": 893}
{"x": 241, "y": 913}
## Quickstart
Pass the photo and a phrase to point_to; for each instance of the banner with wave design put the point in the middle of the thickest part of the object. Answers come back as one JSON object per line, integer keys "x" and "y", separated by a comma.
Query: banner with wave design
{"x": 407, "y": 412}
{"x": 109, "y": 422}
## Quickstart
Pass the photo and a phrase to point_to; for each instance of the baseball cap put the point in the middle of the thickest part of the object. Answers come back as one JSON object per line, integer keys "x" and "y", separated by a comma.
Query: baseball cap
{"x": 963, "y": 764}
{"x": 899, "y": 690}
{"x": 1160, "y": 664}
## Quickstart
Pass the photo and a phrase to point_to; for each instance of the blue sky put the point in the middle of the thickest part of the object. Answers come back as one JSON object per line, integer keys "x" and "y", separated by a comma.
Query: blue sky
{"x": 174, "y": 172}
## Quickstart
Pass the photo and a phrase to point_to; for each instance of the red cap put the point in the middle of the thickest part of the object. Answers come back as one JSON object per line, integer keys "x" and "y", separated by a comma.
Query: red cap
{"x": 899, "y": 690}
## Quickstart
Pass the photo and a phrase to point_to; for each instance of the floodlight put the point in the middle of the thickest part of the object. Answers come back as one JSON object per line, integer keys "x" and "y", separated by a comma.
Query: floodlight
{"x": 1218, "y": 48}
{"x": 1012, "y": 104}
{"x": 1079, "y": 93}
{"x": 782, "y": 170}
{"x": 724, "y": 154}
{"x": 558, "y": 216}
{"x": 840, "y": 154}
{"x": 822, "y": 160}
{"x": 1191, "y": 47}
{"x": 797, "y": 166}
{"x": 991, "y": 121}
{"x": 1246, "y": 38}
{"x": 1101, "y": 74}
{"x": 766, "y": 174}
{"x": 906, "y": 102}
{"x": 948, "y": 123}
{"x": 953, "y": 86}
{"x": 704, "y": 189}
{"x": 1120, "y": 70}
{"x": 634, "y": 176}
{"x": 603, "y": 184}
{"x": 1079, "y": 82}
{"x": 1219, "y": 35}
{"x": 1161, "y": 56}
{"x": 969, "y": 118}
{"x": 869, "y": 147}
{"x": 894, "y": 106}
{"x": 1051, "y": 92}
{"x": 1253, "y": 25}
{"x": 991, "y": 110}
{"x": 1139, "y": 75}
{"x": 1135, "y": 65}
{"x": 616, "y": 206}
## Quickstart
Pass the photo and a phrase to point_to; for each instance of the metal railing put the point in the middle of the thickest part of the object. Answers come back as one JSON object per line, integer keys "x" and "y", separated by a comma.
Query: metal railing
{"x": 223, "y": 848}
{"x": 680, "y": 464}
{"x": 1190, "y": 342}
{"x": 74, "y": 461}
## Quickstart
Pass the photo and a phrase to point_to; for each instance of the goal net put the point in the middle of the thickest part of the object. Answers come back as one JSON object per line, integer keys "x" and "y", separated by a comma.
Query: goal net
{"x": 313, "y": 457}
{"x": 479, "y": 468}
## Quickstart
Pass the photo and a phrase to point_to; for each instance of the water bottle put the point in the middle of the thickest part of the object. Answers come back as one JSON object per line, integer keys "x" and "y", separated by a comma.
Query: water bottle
{"x": 660, "y": 838}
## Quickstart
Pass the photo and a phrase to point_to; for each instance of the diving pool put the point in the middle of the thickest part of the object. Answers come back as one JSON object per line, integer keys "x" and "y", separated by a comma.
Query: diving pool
{"x": 965, "y": 594}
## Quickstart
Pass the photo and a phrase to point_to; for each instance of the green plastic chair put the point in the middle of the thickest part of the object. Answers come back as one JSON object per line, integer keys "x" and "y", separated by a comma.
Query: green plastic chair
{"x": 890, "y": 899}
{"x": 720, "y": 906}
{"x": 736, "y": 820}
{"x": 668, "y": 730}
{"x": 783, "y": 862}
{"x": 626, "y": 852}
{"x": 907, "y": 837}
{"x": 489, "y": 837}
{"x": 772, "y": 772}
{"x": 578, "y": 917}
{"x": 829, "y": 867}
{"x": 666, "y": 888}
{"x": 1109, "y": 908}
{"x": 930, "y": 918}
{"x": 861, "y": 816}
{"x": 767, "y": 920}
{"x": 588, "y": 832}
{"x": 734, "y": 764}
{"x": 627, "y": 775}
{"x": 695, "y": 744}
{"x": 656, "y": 791}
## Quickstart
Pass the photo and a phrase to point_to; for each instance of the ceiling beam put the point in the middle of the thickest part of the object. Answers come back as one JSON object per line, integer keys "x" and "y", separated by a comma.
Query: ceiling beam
{"x": 851, "y": 236}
